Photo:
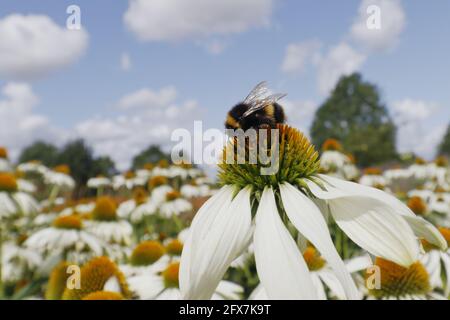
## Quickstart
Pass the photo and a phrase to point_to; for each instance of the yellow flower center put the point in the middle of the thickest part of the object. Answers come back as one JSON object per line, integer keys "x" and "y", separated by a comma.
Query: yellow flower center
{"x": 57, "y": 282}
{"x": 103, "y": 295}
{"x": 441, "y": 161}
{"x": 420, "y": 161}
{"x": 149, "y": 166}
{"x": 8, "y": 182}
{"x": 93, "y": 277}
{"x": 313, "y": 259}
{"x": 147, "y": 253}
{"x": 331, "y": 145}
{"x": 62, "y": 168}
{"x": 3, "y": 153}
{"x": 446, "y": 234}
{"x": 174, "y": 247}
{"x": 417, "y": 205}
{"x": 290, "y": 159}
{"x": 163, "y": 163}
{"x": 170, "y": 275}
{"x": 439, "y": 189}
{"x": 372, "y": 171}
{"x": 105, "y": 209}
{"x": 129, "y": 175}
{"x": 140, "y": 196}
{"x": 68, "y": 222}
{"x": 172, "y": 195}
{"x": 398, "y": 281}
{"x": 157, "y": 181}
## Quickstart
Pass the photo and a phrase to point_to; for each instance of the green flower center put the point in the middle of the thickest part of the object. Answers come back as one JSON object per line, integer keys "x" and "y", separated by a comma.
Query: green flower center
{"x": 282, "y": 155}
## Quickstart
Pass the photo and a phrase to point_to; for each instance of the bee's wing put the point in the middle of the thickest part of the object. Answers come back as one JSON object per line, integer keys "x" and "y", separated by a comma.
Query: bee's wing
{"x": 259, "y": 91}
{"x": 256, "y": 105}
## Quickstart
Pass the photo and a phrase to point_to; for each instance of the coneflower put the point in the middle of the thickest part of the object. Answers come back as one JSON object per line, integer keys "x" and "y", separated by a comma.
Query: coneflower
{"x": 273, "y": 211}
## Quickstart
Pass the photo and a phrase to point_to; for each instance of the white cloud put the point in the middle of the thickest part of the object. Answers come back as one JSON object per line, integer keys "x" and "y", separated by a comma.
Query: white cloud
{"x": 297, "y": 55}
{"x": 339, "y": 61}
{"x": 299, "y": 113}
{"x": 125, "y": 62}
{"x": 19, "y": 126}
{"x": 392, "y": 23}
{"x": 162, "y": 20}
{"x": 33, "y": 45}
{"x": 147, "y": 98}
{"x": 413, "y": 110}
{"x": 413, "y": 119}
{"x": 156, "y": 113}
{"x": 215, "y": 46}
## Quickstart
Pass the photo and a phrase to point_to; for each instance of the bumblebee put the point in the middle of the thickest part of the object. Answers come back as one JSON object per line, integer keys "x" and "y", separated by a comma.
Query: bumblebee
{"x": 258, "y": 110}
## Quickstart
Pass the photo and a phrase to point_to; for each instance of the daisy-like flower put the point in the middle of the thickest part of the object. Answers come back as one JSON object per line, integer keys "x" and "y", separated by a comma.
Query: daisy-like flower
{"x": 159, "y": 187}
{"x": 60, "y": 177}
{"x": 421, "y": 170}
{"x": 165, "y": 286}
{"x": 136, "y": 209}
{"x": 106, "y": 225}
{"x": 251, "y": 207}
{"x": 397, "y": 282}
{"x": 12, "y": 201}
{"x": 99, "y": 274}
{"x": 334, "y": 162}
{"x": 418, "y": 206}
{"x": 33, "y": 167}
{"x": 66, "y": 238}
{"x": 174, "y": 205}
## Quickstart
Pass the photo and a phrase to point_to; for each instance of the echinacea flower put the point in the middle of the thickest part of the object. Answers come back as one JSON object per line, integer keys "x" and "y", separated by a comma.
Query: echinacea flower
{"x": 66, "y": 238}
{"x": 396, "y": 282}
{"x": 262, "y": 209}
{"x": 12, "y": 201}
{"x": 146, "y": 258}
{"x": 18, "y": 261}
{"x": 334, "y": 162}
{"x": 98, "y": 274}
{"x": 106, "y": 225}
{"x": 5, "y": 165}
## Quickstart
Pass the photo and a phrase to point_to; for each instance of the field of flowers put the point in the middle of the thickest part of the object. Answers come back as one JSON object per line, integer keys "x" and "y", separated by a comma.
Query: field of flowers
{"x": 167, "y": 231}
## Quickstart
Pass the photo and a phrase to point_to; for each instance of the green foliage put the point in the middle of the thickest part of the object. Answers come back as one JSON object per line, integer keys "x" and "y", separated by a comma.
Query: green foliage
{"x": 444, "y": 147}
{"x": 355, "y": 115}
{"x": 44, "y": 152}
{"x": 152, "y": 154}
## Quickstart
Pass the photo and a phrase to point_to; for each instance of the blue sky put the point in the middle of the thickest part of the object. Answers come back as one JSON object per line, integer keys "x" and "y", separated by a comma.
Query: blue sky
{"x": 87, "y": 91}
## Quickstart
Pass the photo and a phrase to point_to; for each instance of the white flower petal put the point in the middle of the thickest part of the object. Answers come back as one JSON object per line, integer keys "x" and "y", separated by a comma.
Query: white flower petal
{"x": 281, "y": 268}
{"x": 446, "y": 262}
{"x": 308, "y": 220}
{"x": 420, "y": 226}
{"x": 219, "y": 233}
{"x": 370, "y": 223}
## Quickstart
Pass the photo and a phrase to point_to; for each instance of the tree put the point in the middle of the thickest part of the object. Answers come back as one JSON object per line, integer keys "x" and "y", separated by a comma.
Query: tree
{"x": 444, "y": 147}
{"x": 44, "y": 152}
{"x": 152, "y": 154}
{"x": 355, "y": 115}
{"x": 104, "y": 166}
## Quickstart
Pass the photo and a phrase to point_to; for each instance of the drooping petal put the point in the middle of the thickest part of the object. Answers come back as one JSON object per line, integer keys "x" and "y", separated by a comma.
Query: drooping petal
{"x": 308, "y": 220}
{"x": 446, "y": 262}
{"x": 420, "y": 226}
{"x": 219, "y": 233}
{"x": 371, "y": 224}
{"x": 281, "y": 269}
